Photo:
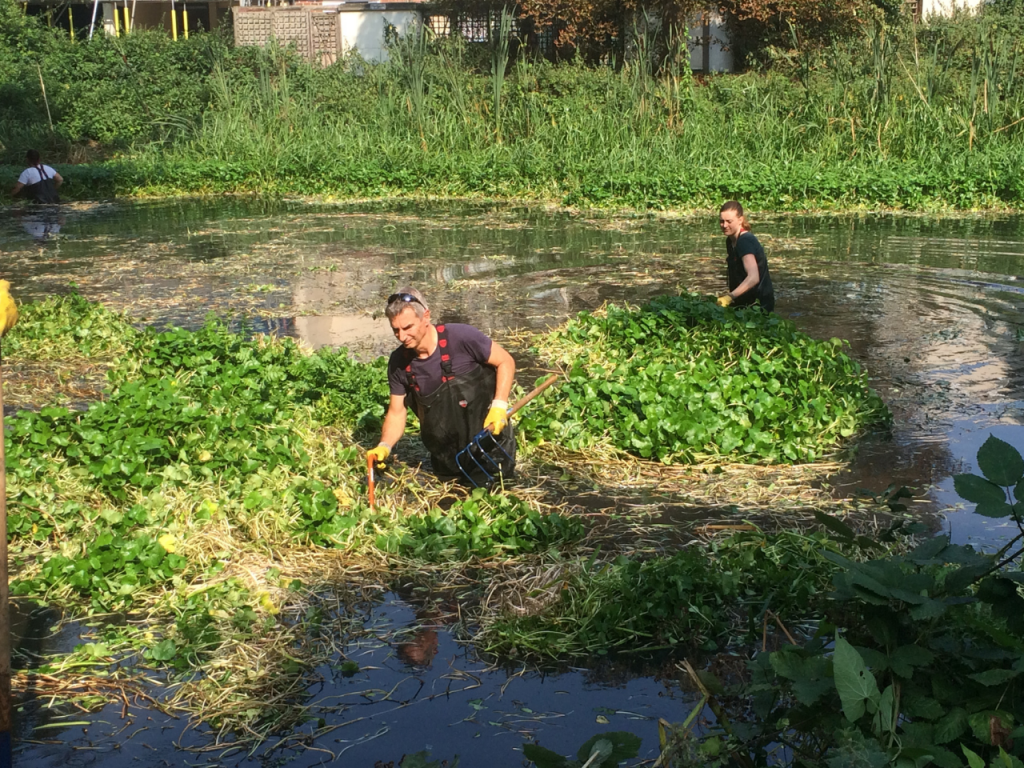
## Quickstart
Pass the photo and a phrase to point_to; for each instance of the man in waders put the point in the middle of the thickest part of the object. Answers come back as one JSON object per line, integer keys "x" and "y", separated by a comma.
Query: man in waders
{"x": 38, "y": 182}
{"x": 455, "y": 379}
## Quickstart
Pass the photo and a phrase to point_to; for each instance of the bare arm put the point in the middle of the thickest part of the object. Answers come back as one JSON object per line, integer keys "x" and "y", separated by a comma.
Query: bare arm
{"x": 58, "y": 179}
{"x": 751, "y": 280}
{"x": 394, "y": 421}
{"x": 17, "y": 189}
{"x": 506, "y": 367}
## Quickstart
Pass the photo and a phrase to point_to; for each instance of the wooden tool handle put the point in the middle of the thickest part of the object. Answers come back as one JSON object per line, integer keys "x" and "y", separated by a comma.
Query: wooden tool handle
{"x": 527, "y": 398}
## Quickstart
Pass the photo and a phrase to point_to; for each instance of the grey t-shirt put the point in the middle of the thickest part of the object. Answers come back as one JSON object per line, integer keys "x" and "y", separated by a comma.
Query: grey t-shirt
{"x": 467, "y": 346}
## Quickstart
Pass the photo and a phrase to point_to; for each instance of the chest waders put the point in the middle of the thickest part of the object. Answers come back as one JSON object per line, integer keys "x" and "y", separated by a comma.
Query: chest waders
{"x": 43, "y": 191}
{"x": 454, "y": 413}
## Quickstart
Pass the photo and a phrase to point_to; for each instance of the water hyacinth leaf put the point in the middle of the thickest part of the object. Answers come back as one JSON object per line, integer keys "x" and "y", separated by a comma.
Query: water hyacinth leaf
{"x": 1000, "y": 462}
{"x": 165, "y": 650}
{"x": 978, "y": 490}
{"x": 545, "y": 758}
{"x": 857, "y": 688}
{"x": 625, "y": 745}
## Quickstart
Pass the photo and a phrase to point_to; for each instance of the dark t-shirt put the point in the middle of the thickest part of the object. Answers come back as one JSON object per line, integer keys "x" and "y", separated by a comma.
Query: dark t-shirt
{"x": 467, "y": 346}
{"x": 763, "y": 293}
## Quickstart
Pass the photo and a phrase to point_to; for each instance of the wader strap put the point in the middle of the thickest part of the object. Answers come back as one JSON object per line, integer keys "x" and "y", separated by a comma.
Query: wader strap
{"x": 42, "y": 173}
{"x": 446, "y": 360}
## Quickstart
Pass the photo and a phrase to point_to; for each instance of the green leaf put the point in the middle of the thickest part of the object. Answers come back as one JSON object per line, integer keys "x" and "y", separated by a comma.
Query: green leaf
{"x": 994, "y": 676}
{"x": 973, "y": 758}
{"x": 978, "y": 490}
{"x": 906, "y": 657}
{"x": 165, "y": 650}
{"x": 625, "y": 745}
{"x": 951, "y": 725}
{"x": 544, "y": 758}
{"x": 1000, "y": 462}
{"x": 993, "y": 509}
{"x": 834, "y": 524}
{"x": 856, "y": 685}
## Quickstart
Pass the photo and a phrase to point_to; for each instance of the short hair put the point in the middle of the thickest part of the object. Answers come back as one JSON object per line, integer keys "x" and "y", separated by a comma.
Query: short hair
{"x": 406, "y": 298}
{"x": 734, "y": 205}
{"x": 32, "y": 156}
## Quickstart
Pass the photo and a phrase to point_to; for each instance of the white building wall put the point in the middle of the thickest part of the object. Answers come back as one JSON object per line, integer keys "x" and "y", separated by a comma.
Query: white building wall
{"x": 709, "y": 44}
{"x": 363, "y": 31}
{"x": 947, "y": 7}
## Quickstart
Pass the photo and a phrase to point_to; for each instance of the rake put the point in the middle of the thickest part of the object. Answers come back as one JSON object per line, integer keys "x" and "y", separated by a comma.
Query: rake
{"x": 484, "y": 455}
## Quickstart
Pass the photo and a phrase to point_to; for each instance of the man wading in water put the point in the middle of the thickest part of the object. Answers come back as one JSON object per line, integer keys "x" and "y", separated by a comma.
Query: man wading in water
{"x": 749, "y": 281}
{"x": 455, "y": 379}
{"x": 38, "y": 182}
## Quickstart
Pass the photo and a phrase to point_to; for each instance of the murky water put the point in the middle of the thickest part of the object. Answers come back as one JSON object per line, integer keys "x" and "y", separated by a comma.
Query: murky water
{"x": 932, "y": 306}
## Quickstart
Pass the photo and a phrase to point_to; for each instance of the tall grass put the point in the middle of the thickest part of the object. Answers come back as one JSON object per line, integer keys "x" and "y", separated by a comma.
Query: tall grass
{"x": 904, "y": 118}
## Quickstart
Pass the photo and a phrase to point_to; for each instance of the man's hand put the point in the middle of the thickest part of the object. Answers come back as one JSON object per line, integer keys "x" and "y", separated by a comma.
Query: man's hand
{"x": 379, "y": 454}
{"x": 497, "y": 418}
{"x": 8, "y": 309}
{"x": 725, "y": 301}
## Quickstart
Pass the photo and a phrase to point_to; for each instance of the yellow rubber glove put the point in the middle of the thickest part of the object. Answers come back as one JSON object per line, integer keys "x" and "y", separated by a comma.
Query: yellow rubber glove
{"x": 379, "y": 454}
{"x": 8, "y": 309}
{"x": 725, "y": 301}
{"x": 497, "y": 419}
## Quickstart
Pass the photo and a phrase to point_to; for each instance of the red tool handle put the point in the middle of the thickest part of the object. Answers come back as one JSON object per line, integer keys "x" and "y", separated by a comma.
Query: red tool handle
{"x": 369, "y": 480}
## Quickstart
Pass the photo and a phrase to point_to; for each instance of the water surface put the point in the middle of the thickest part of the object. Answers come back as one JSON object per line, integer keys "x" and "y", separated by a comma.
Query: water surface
{"x": 932, "y": 306}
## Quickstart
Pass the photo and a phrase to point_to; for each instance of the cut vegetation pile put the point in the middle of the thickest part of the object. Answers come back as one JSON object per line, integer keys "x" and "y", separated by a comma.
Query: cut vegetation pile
{"x": 682, "y": 380}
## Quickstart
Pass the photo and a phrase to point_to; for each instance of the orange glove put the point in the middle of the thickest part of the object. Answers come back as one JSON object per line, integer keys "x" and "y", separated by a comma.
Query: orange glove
{"x": 497, "y": 417}
{"x": 8, "y": 309}
{"x": 725, "y": 301}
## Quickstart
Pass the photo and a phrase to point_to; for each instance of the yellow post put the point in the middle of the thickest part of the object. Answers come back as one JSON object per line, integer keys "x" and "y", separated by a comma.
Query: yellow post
{"x": 71, "y": 23}
{"x": 127, "y": 21}
{"x": 117, "y": 22}
{"x": 184, "y": 20}
{"x": 8, "y": 317}
{"x": 174, "y": 22}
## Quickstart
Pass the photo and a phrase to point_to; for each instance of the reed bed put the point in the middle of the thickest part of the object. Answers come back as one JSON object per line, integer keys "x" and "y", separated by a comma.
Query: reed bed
{"x": 895, "y": 116}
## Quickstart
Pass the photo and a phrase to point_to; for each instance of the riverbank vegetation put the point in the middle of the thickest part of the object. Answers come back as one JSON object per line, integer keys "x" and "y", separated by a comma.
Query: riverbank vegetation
{"x": 887, "y": 115}
{"x": 208, "y": 514}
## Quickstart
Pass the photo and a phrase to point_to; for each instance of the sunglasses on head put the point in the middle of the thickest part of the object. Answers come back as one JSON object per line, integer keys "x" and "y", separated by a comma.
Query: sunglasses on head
{"x": 408, "y": 298}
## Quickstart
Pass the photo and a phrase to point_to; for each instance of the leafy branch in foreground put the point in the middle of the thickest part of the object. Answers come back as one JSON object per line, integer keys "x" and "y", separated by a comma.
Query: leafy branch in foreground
{"x": 926, "y": 669}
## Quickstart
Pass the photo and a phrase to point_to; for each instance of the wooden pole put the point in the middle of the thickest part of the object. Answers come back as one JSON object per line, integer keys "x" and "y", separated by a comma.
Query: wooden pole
{"x": 46, "y": 101}
{"x": 5, "y": 610}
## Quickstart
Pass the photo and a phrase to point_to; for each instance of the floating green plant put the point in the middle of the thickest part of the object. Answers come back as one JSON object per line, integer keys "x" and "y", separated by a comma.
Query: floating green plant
{"x": 681, "y": 380}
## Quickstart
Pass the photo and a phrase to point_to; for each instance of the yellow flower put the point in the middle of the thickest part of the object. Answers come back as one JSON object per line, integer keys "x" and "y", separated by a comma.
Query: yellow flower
{"x": 343, "y": 498}
{"x": 168, "y": 542}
